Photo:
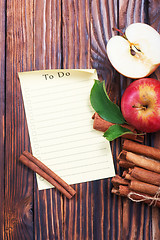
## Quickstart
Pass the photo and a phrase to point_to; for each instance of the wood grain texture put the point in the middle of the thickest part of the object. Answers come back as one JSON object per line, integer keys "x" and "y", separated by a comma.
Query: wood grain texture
{"x": 76, "y": 34}
{"x": 103, "y": 19}
{"x": 132, "y": 11}
{"x": 64, "y": 34}
{"x": 2, "y": 113}
{"x": 47, "y": 34}
{"x": 48, "y": 204}
{"x": 18, "y": 179}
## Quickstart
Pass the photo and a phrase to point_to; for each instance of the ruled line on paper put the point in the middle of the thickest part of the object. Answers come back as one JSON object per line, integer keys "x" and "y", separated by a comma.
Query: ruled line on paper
{"x": 62, "y": 128}
{"x": 55, "y": 116}
{"x": 69, "y": 94}
{"x": 60, "y": 87}
{"x": 57, "y": 123}
{"x": 98, "y": 169}
{"x": 81, "y": 160}
{"x": 59, "y": 117}
{"x": 74, "y": 149}
{"x": 71, "y": 154}
{"x": 70, "y": 145}
{"x": 49, "y": 108}
{"x": 69, "y": 100}
{"x": 76, "y": 168}
{"x": 63, "y": 142}
{"x": 45, "y": 132}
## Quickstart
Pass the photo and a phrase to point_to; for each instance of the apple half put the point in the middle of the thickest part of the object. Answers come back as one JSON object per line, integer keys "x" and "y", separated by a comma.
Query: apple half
{"x": 135, "y": 54}
{"x": 140, "y": 104}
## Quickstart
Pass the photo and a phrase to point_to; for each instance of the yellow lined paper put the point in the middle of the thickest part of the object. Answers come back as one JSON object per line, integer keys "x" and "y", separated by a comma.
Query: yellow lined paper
{"x": 59, "y": 117}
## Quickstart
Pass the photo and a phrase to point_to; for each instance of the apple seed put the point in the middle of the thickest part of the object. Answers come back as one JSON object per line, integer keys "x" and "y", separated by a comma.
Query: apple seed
{"x": 133, "y": 53}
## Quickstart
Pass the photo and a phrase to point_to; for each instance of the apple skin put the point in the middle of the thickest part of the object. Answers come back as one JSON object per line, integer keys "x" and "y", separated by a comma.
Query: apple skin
{"x": 140, "y": 104}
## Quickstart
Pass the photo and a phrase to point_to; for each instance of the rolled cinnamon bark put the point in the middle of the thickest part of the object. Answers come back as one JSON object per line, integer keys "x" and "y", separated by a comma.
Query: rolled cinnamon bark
{"x": 144, "y": 187}
{"x": 128, "y": 177}
{"x": 117, "y": 180}
{"x": 124, "y": 173}
{"x": 141, "y": 149}
{"x": 124, "y": 191}
{"x": 121, "y": 190}
{"x": 145, "y": 175}
{"x": 141, "y": 161}
{"x": 125, "y": 164}
{"x": 102, "y": 125}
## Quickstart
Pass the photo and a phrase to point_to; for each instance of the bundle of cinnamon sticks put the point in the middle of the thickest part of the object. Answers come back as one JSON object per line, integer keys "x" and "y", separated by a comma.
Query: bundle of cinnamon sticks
{"x": 140, "y": 180}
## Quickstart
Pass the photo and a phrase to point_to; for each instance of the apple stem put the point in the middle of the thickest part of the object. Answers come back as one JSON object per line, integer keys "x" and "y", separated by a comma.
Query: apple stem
{"x": 118, "y": 30}
{"x": 141, "y": 107}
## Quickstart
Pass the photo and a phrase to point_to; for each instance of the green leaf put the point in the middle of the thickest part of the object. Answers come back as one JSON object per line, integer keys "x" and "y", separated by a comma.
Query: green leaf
{"x": 116, "y": 131}
{"x": 103, "y": 105}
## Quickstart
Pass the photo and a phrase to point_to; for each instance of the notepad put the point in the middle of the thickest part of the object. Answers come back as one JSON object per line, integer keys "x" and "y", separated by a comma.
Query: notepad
{"x": 60, "y": 125}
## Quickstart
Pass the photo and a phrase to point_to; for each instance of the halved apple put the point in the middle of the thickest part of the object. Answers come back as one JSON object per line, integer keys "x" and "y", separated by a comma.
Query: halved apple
{"x": 136, "y": 53}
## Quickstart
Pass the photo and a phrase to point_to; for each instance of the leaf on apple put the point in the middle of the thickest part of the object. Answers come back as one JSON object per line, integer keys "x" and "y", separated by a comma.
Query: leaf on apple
{"x": 116, "y": 131}
{"x": 101, "y": 103}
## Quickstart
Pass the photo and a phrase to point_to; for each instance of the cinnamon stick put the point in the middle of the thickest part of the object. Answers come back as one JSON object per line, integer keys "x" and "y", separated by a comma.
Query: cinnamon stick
{"x": 141, "y": 161}
{"x": 102, "y": 125}
{"x": 125, "y": 164}
{"x": 122, "y": 160}
{"x": 117, "y": 180}
{"x": 124, "y": 191}
{"x": 141, "y": 149}
{"x": 144, "y": 187}
{"x": 127, "y": 176}
{"x": 145, "y": 175}
{"x": 37, "y": 166}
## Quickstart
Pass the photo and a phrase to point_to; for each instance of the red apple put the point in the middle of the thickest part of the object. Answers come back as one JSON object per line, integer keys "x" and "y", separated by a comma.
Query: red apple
{"x": 140, "y": 104}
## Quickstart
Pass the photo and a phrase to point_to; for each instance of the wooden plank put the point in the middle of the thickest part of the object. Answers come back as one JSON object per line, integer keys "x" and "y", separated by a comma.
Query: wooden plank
{"x": 154, "y": 21}
{"x": 76, "y": 34}
{"x": 18, "y": 179}
{"x": 2, "y": 113}
{"x": 47, "y": 34}
{"x": 78, "y": 218}
{"x": 48, "y": 204}
{"x": 104, "y": 16}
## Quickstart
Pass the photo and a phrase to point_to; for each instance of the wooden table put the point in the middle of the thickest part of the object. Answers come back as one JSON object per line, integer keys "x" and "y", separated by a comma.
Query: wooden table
{"x": 48, "y": 34}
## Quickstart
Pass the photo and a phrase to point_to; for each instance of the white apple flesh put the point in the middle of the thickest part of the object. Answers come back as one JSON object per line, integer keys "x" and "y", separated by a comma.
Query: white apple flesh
{"x": 137, "y": 55}
{"x": 140, "y": 104}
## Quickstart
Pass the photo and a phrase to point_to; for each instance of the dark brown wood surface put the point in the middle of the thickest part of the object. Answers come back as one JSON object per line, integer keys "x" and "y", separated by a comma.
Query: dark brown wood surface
{"x": 38, "y": 34}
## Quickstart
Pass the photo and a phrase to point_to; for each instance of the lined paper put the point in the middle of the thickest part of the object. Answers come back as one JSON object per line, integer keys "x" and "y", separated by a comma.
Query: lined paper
{"x": 60, "y": 125}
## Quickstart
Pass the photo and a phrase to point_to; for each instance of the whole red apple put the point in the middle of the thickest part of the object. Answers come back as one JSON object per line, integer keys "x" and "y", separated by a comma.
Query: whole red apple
{"x": 140, "y": 104}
